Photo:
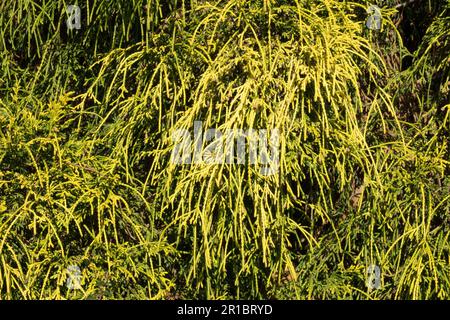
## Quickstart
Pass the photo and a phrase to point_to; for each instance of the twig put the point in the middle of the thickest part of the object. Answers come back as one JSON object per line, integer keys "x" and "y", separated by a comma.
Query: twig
{"x": 404, "y": 4}
{"x": 81, "y": 167}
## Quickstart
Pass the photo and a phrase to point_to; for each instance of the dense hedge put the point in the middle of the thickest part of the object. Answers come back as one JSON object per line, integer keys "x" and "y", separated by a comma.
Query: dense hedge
{"x": 86, "y": 177}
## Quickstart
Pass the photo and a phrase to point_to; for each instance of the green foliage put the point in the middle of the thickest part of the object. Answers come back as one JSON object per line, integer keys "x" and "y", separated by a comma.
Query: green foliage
{"x": 87, "y": 116}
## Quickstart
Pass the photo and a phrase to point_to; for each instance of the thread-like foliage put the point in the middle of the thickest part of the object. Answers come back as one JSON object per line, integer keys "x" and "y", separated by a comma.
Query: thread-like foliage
{"x": 87, "y": 119}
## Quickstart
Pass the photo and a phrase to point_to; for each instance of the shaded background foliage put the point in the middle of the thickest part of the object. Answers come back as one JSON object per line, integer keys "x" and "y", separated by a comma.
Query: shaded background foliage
{"x": 86, "y": 118}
